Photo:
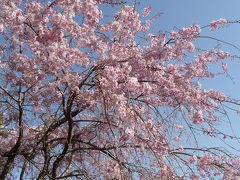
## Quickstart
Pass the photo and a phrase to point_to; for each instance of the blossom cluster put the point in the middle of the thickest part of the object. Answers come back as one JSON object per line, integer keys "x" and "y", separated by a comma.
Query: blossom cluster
{"x": 215, "y": 24}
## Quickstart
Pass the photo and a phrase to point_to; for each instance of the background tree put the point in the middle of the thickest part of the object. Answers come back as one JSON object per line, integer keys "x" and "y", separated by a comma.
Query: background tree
{"x": 84, "y": 99}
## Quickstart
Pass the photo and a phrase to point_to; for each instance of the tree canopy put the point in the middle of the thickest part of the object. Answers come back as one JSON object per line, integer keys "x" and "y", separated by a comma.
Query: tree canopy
{"x": 82, "y": 98}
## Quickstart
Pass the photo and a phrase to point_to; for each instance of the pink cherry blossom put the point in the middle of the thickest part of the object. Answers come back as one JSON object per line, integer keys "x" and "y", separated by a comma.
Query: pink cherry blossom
{"x": 215, "y": 24}
{"x": 85, "y": 99}
{"x": 146, "y": 11}
{"x": 238, "y": 112}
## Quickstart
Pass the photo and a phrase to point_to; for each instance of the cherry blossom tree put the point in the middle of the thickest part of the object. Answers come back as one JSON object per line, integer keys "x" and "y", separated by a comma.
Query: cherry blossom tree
{"x": 83, "y": 99}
